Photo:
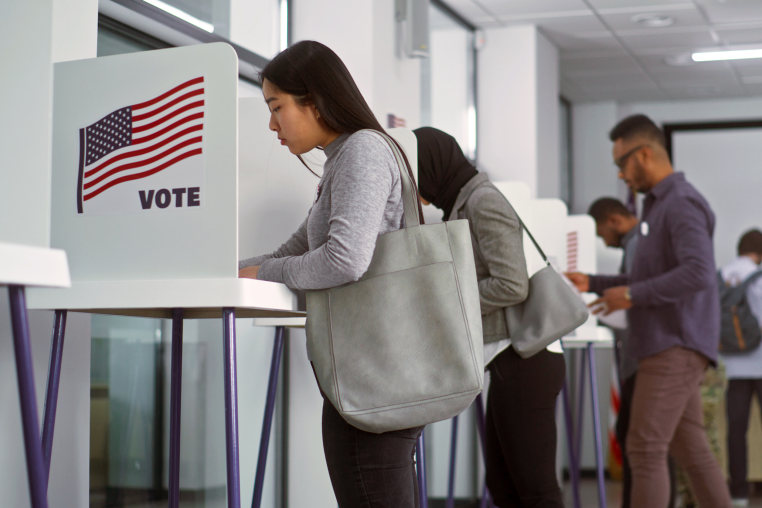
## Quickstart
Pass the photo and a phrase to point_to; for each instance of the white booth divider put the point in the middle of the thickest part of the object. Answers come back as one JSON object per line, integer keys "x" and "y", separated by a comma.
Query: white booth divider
{"x": 145, "y": 203}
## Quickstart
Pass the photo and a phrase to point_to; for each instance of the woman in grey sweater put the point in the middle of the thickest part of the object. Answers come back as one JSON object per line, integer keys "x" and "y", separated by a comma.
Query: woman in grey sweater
{"x": 314, "y": 103}
{"x": 520, "y": 449}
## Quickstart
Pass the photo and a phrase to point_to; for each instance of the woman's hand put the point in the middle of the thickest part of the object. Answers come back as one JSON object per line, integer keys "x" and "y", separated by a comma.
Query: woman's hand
{"x": 250, "y": 272}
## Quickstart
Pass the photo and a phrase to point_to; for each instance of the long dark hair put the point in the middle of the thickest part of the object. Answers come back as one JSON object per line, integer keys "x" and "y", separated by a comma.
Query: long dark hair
{"x": 314, "y": 74}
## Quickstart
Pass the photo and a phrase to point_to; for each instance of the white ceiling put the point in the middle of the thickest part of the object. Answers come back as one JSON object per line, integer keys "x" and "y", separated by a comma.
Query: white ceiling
{"x": 605, "y": 55}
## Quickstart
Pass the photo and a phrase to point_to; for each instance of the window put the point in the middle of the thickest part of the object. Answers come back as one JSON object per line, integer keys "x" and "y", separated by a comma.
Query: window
{"x": 257, "y": 29}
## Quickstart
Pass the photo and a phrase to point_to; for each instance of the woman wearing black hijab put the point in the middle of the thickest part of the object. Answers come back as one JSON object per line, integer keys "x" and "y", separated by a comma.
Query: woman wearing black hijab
{"x": 520, "y": 450}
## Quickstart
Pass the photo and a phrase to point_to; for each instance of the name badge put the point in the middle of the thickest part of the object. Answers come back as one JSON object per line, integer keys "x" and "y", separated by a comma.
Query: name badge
{"x": 644, "y": 228}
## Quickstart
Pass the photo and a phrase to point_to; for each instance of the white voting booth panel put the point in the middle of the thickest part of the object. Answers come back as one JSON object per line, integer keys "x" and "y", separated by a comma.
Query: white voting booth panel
{"x": 116, "y": 236}
{"x": 145, "y": 186}
{"x": 33, "y": 266}
{"x": 581, "y": 256}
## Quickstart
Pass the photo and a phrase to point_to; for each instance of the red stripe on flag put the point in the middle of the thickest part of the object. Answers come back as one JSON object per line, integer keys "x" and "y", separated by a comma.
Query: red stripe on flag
{"x": 189, "y": 118}
{"x": 151, "y": 125}
{"x": 140, "y": 151}
{"x": 144, "y": 174}
{"x": 149, "y": 114}
{"x": 163, "y": 96}
{"x": 143, "y": 162}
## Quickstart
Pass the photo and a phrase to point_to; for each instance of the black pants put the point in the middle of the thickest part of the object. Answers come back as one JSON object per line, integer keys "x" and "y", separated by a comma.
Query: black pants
{"x": 738, "y": 401}
{"x": 521, "y": 429}
{"x": 370, "y": 470}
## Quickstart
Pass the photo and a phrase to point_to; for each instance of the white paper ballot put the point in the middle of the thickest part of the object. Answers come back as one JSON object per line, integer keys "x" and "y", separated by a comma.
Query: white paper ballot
{"x": 617, "y": 319}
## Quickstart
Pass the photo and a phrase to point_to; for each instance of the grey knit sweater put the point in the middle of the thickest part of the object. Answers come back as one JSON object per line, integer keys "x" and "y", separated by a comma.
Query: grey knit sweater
{"x": 359, "y": 198}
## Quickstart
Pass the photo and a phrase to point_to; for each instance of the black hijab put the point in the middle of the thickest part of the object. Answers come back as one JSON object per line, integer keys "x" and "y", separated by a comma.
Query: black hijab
{"x": 442, "y": 168}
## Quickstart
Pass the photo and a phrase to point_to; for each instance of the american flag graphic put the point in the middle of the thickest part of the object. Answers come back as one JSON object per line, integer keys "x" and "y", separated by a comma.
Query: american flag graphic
{"x": 138, "y": 141}
{"x": 572, "y": 251}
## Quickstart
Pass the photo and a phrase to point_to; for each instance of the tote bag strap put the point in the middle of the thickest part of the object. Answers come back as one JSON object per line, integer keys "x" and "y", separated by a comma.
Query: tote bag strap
{"x": 410, "y": 202}
{"x": 525, "y": 228}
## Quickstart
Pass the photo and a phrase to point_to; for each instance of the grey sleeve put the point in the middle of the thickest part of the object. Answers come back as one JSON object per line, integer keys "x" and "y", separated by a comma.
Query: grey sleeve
{"x": 500, "y": 243}
{"x": 294, "y": 246}
{"x": 359, "y": 190}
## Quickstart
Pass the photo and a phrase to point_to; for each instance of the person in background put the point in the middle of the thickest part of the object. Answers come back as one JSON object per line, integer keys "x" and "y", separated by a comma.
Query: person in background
{"x": 744, "y": 370}
{"x": 315, "y": 103}
{"x": 673, "y": 314}
{"x": 617, "y": 227}
{"x": 520, "y": 449}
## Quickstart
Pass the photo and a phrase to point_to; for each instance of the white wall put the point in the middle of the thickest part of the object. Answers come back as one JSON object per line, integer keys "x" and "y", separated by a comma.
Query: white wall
{"x": 723, "y": 164}
{"x": 26, "y": 100}
{"x": 366, "y": 43}
{"x": 548, "y": 120}
{"x": 507, "y": 122}
{"x": 449, "y": 94}
{"x": 518, "y": 101}
{"x": 594, "y": 171}
{"x": 40, "y": 33}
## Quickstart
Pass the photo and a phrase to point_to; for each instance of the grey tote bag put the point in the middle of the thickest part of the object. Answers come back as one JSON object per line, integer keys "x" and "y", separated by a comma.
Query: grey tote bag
{"x": 552, "y": 309}
{"x": 402, "y": 346}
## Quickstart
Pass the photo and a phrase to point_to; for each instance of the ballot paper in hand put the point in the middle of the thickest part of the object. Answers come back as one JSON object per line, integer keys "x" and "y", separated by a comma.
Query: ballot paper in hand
{"x": 617, "y": 319}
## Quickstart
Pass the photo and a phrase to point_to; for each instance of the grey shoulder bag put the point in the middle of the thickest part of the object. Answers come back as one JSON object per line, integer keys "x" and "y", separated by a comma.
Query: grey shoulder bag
{"x": 402, "y": 346}
{"x": 551, "y": 310}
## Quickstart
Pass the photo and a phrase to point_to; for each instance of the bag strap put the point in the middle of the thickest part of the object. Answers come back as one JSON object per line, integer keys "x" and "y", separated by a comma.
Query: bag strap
{"x": 525, "y": 228}
{"x": 410, "y": 203}
{"x": 751, "y": 278}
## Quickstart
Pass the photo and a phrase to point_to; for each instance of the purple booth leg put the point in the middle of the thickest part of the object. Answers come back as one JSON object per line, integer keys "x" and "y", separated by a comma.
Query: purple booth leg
{"x": 580, "y": 407}
{"x": 453, "y": 455}
{"x": 175, "y": 397}
{"x": 231, "y": 408}
{"x": 264, "y": 440}
{"x": 51, "y": 395}
{"x": 29, "y": 416}
{"x": 420, "y": 460}
{"x": 573, "y": 469}
{"x": 596, "y": 427}
{"x": 486, "y": 500}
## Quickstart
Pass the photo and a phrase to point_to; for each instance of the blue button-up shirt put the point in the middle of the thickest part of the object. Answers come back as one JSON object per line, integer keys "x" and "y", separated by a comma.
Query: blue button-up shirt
{"x": 673, "y": 282}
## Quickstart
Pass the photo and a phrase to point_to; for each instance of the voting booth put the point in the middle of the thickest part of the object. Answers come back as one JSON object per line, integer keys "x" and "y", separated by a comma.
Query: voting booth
{"x": 145, "y": 203}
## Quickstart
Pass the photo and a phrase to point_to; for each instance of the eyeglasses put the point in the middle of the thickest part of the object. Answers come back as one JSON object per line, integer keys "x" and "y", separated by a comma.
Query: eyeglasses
{"x": 621, "y": 161}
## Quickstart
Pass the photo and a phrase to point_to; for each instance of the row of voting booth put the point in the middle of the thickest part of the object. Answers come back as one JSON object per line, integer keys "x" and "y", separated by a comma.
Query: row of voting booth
{"x": 161, "y": 180}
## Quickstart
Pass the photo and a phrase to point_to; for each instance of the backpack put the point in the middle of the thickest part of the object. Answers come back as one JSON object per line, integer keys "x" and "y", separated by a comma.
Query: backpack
{"x": 739, "y": 330}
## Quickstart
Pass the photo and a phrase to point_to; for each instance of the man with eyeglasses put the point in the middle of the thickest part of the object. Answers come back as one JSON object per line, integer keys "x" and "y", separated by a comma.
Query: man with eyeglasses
{"x": 673, "y": 314}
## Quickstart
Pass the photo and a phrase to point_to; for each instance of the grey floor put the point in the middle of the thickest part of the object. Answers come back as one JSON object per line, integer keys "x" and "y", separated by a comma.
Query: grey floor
{"x": 588, "y": 495}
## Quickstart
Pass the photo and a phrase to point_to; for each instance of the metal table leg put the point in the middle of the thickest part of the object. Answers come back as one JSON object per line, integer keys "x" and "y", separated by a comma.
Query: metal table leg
{"x": 30, "y": 419}
{"x": 596, "y": 427}
{"x": 231, "y": 407}
{"x": 264, "y": 441}
{"x": 573, "y": 461}
{"x": 486, "y": 499}
{"x": 51, "y": 393}
{"x": 580, "y": 409}
{"x": 420, "y": 460}
{"x": 453, "y": 455}
{"x": 175, "y": 397}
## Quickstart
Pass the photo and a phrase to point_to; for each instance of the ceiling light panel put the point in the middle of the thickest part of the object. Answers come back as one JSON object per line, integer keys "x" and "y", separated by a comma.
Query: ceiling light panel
{"x": 732, "y": 11}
